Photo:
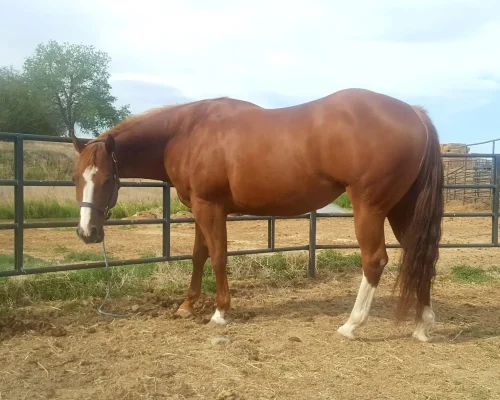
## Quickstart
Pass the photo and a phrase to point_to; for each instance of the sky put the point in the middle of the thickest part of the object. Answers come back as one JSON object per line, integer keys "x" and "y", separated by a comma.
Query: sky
{"x": 441, "y": 54}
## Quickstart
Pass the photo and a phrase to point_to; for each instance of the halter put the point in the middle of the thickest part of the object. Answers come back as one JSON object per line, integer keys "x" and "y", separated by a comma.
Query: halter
{"x": 116, "y": 187}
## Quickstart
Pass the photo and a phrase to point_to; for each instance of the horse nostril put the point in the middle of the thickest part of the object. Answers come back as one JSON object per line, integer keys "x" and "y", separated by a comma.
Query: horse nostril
{"x": 93, "y": 232}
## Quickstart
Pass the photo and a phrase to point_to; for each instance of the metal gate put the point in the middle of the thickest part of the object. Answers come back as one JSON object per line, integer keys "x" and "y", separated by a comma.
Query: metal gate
{"x": 19, "y": 225}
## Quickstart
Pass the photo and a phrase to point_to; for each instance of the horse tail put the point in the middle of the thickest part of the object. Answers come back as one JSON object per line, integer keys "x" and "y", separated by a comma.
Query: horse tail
{"x": 420, "y": 240}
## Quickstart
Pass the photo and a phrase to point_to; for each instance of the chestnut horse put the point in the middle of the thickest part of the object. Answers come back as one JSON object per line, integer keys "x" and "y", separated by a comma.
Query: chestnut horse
{"x": 229, "y": 156}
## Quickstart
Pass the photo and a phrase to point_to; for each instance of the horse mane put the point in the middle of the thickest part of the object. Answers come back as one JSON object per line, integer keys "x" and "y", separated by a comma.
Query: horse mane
{"x": 173, "y": 117}
{"x": 87, "y": 157}
{"x": 420, "y": 108}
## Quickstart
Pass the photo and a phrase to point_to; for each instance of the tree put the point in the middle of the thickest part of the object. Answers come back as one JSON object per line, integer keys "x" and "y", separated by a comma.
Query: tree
{"x": 75, "y": 79}
{"x": 24, "y": 109}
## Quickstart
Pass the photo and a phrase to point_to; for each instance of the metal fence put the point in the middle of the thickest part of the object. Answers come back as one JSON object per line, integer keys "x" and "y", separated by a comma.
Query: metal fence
{"x": 19, "y": 225}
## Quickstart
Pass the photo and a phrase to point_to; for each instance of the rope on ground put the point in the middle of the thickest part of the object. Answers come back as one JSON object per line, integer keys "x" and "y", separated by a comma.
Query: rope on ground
{"x": 108, "y": 284}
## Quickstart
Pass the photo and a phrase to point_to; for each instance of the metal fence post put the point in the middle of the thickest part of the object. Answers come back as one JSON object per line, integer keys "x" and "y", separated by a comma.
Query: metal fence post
{"x": 271, "y": 231}
{"x": 166, "y": 220}
{"x": 311, "y": 268}
{"x": 495, "y": 202}
{"x": 19, "y": 203}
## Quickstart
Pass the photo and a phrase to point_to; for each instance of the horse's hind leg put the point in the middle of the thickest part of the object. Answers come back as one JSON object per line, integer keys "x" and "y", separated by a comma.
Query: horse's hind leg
{"x": 369, "y": 228}
{"x": 200, "y": 256}
{"x": 400, "y": 218}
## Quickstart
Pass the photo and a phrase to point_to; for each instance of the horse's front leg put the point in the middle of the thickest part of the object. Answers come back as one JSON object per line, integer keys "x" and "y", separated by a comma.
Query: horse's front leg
{"x": 200, "y": 256}
{"x": 212, "y": 221}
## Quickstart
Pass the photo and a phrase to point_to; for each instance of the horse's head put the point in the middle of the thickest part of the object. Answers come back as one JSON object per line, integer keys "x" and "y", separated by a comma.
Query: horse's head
{"x": 97, "y": 183}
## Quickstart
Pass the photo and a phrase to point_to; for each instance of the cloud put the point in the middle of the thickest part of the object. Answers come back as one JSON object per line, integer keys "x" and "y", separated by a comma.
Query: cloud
{"x": 276, "y": 52}
{"x": 310, "y": 49}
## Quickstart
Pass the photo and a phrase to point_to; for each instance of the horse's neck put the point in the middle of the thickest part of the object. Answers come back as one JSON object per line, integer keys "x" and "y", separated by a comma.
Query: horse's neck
{"x": 140, "y": 147}
{"x": 141, "y": 155}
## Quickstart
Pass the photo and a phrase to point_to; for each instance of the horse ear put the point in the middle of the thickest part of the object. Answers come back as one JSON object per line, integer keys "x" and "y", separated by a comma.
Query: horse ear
{"x": 110, "y": 144}
{"x": 77, "y": 143}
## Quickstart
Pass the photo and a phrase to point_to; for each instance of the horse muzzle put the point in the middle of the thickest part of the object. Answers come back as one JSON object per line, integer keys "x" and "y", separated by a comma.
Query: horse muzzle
{"x": 92, "y": 235}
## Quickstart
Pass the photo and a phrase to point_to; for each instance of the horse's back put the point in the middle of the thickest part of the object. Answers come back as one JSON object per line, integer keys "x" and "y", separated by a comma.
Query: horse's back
{"x": 275, "y": 159}
{"x": 343, "y": 135}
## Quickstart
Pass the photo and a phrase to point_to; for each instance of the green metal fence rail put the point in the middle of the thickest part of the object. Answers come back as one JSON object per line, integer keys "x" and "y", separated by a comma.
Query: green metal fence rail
{"x": 492, "y": 142}
{"x": 19, "y": 225}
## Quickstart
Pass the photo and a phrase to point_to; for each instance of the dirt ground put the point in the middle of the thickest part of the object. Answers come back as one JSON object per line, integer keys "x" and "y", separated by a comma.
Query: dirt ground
{"x": 282, "y": 341}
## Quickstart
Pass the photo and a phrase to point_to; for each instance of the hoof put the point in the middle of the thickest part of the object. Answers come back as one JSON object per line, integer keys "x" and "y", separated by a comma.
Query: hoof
{"x": 218, "y": 319}
{"x": 346, "y": 332}
{"x": 183, "y": 313}
{"x": 421, "y": 336}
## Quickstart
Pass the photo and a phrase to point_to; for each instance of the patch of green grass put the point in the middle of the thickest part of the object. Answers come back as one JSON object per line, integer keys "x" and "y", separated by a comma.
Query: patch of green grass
{"x": 41, "y": 209}
{"x": 467, "y": 273}
{"x": 335, "y": 261}
{"x": 176, "y": 206}
{"x": 208, "y": 284}
{"x": 343, "y": 201}
{"x": 276, "y": 262}
{"x": 7, "y": 262}
{"x": 76, "y": 256}
{"x": 130, "y": 280}
{"x": 61, "y": 250}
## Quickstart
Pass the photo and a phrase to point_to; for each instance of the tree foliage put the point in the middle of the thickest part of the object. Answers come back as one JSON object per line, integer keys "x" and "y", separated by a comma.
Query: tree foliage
{"x": 74, "y": 80}
{"x": 24, "y": 109}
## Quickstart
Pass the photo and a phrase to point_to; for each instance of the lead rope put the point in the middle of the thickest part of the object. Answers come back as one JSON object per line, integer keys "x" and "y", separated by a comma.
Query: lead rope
{"x": 108, "y": 280}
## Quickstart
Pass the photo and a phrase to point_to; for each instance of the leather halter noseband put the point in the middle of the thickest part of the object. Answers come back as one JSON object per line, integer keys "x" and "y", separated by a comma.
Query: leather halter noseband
{"x": 114, "y": 196}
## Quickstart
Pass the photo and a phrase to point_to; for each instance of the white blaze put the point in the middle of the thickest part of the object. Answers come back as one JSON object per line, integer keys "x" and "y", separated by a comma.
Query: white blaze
{"x": 88, "y": 197}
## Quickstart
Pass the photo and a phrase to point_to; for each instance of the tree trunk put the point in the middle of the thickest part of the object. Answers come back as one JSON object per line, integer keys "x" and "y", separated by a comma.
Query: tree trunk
{"x": 71, "y": 128}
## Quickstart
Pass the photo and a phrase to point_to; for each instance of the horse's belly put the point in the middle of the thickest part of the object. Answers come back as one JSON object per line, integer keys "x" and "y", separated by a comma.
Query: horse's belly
{"x": 283, "y": 200}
